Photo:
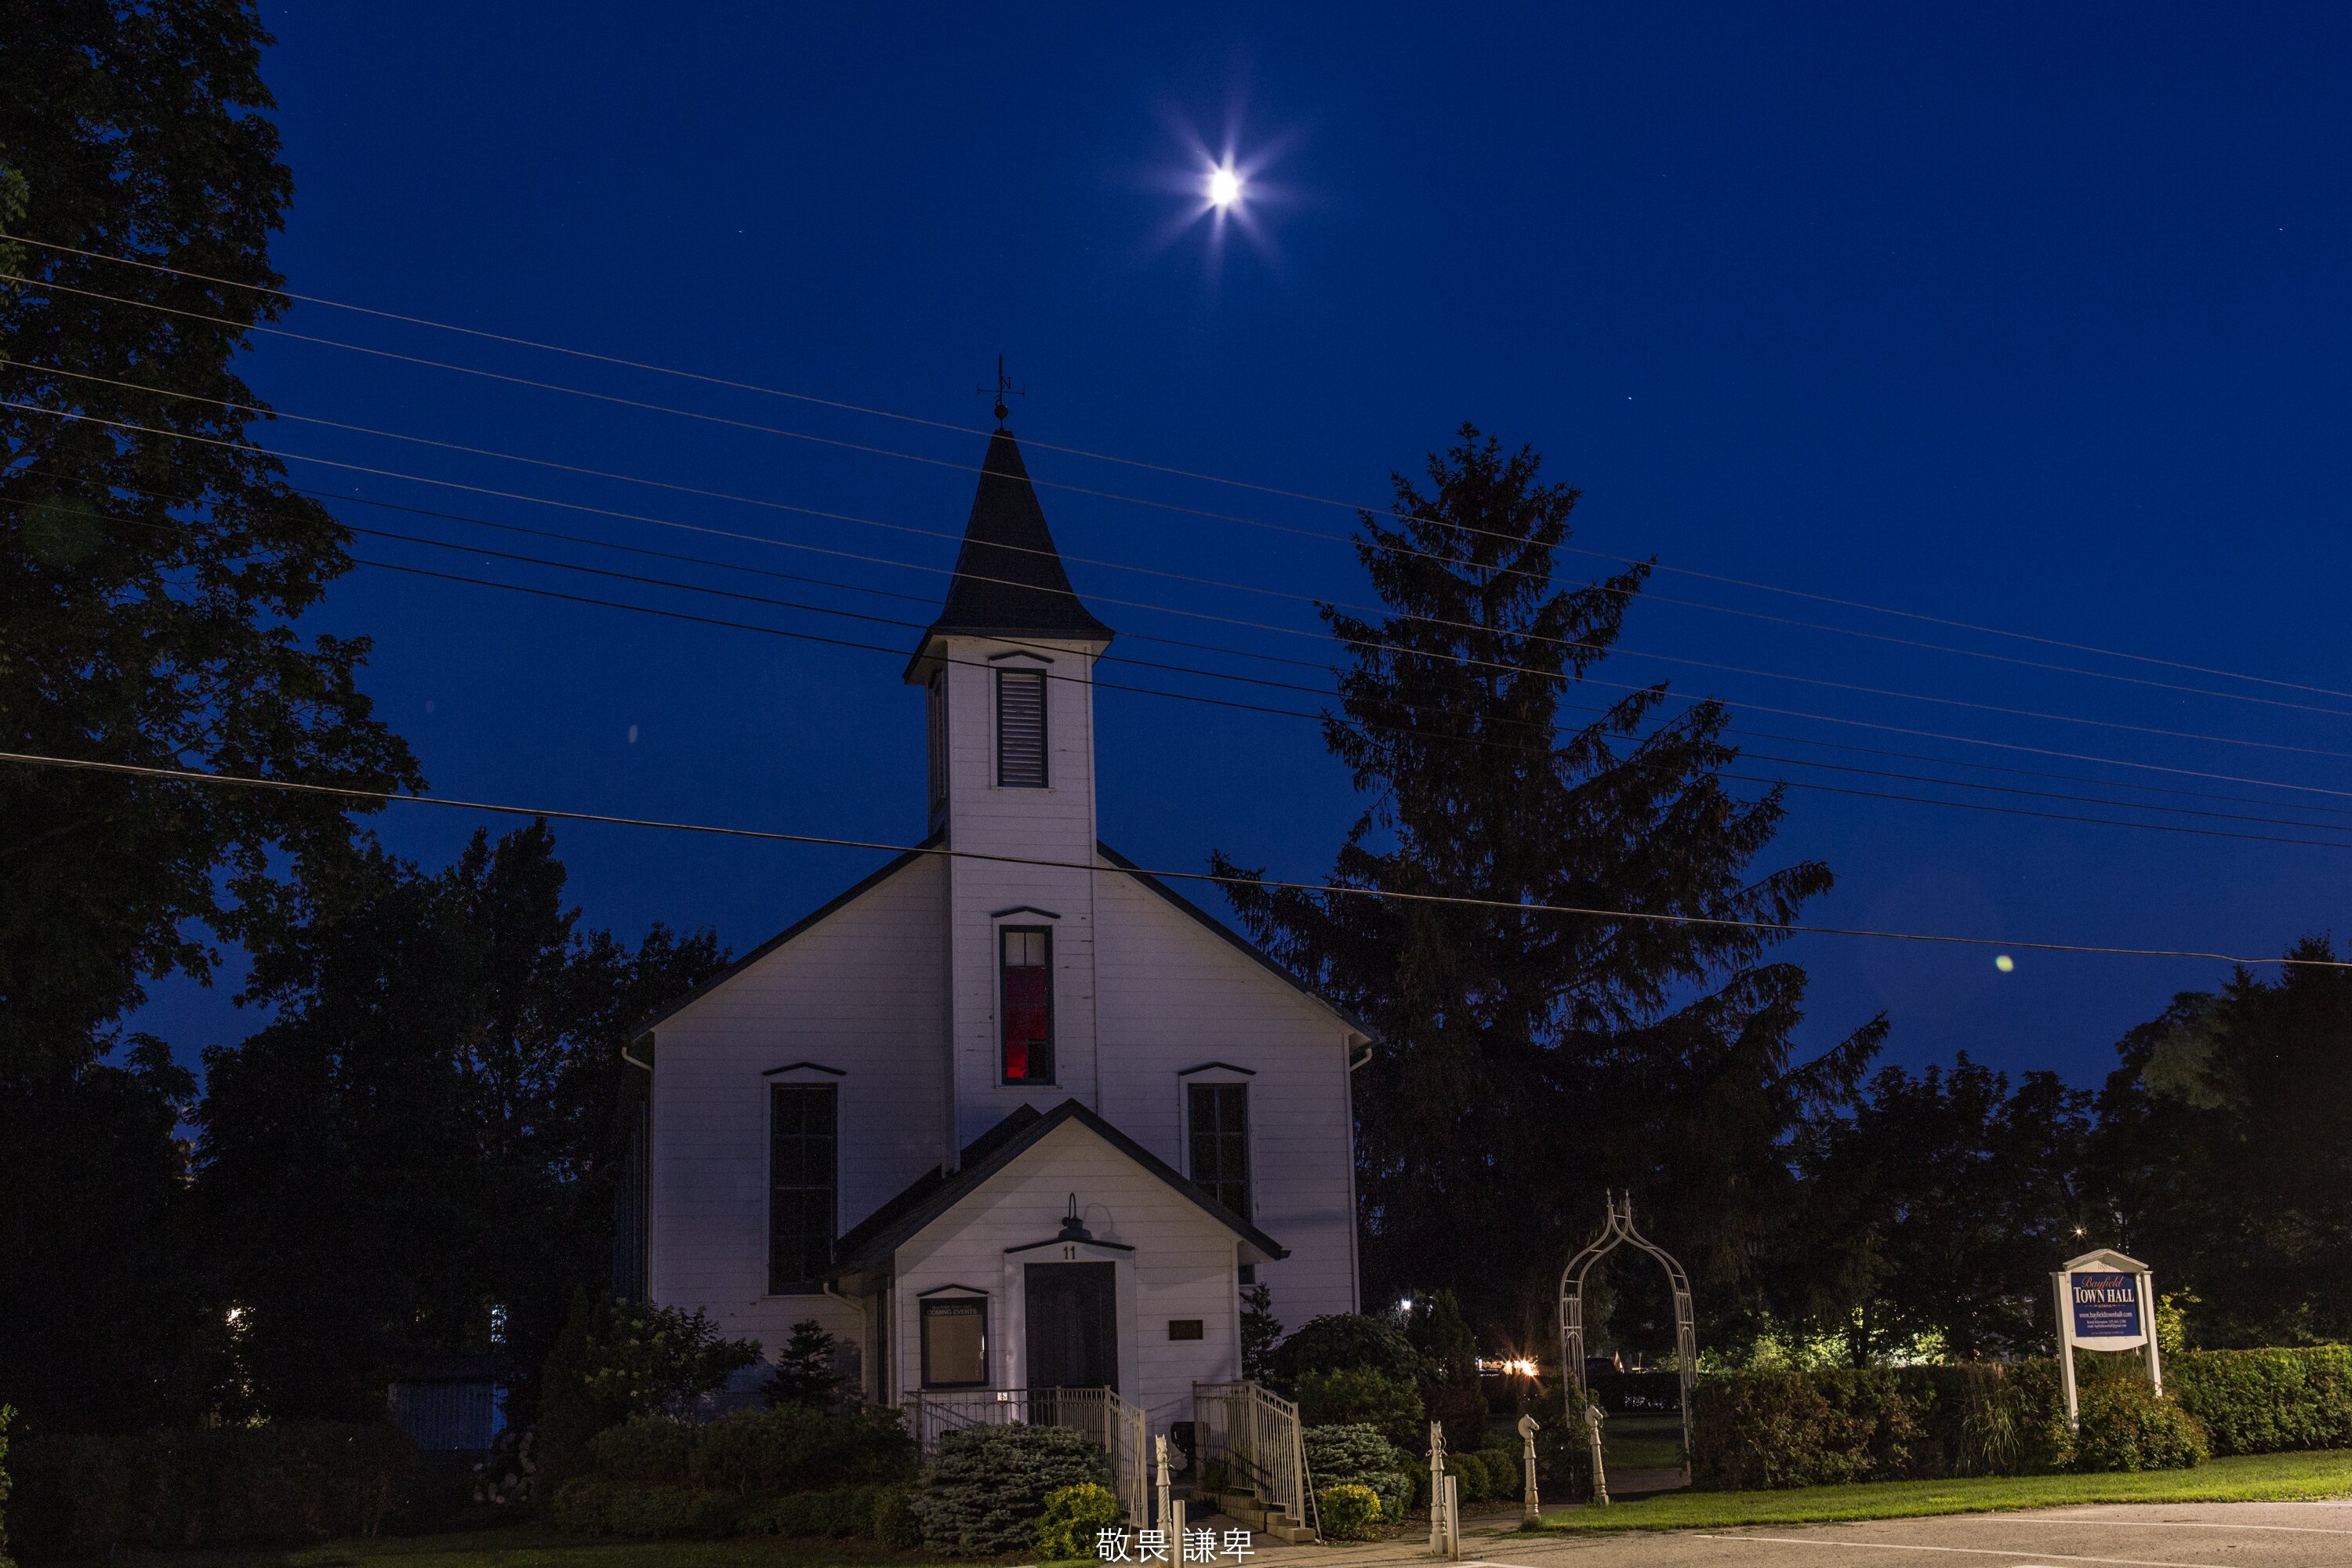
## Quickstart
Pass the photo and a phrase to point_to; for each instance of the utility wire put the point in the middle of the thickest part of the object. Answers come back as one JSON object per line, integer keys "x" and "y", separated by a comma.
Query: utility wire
{"x": 1322, "y": 665}
{"x": 1771, "y": 928}
{"x": 708, "y": 494}
{"x": 1055, "y": 484}
{"x": 697, "y": 528}
{"x": 462, "y": 548}
{"x": 1100, "y": 456}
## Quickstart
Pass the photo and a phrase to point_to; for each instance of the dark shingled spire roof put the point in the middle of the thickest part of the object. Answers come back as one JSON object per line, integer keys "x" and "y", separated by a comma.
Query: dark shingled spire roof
{"x": 1008, "y": 581}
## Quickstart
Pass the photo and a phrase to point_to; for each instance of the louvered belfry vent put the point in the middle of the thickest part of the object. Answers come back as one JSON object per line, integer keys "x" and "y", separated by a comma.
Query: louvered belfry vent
{"x": 1021, "y": 729}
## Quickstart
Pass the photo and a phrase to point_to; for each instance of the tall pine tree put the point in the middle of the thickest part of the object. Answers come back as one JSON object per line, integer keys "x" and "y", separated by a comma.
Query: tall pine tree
{"x": 1527, "y": 1060}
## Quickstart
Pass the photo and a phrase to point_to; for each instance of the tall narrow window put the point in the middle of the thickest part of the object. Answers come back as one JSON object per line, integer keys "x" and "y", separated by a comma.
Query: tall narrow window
{"x": 1021, "y": 729}
{"x": 1026, "y": 954}
{"x": 1220, "y": 1135}
{"x": 803, "y": 1131}
{"x": 935, "y": 727}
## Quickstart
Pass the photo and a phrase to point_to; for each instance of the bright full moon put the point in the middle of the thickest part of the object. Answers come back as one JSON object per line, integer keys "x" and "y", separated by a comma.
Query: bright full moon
{"x": 1224, "y": 187}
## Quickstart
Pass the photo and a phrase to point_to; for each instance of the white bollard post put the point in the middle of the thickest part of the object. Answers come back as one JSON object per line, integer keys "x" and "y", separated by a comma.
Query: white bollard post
{"x": 1453, "y": 1519}
{"x": 1437, "y": 1486}
{"x": 1531, "y": 1508}
{"x": 1592, "y": 1418}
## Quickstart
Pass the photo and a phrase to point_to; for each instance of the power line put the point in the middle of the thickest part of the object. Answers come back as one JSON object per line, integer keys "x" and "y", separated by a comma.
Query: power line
{"x": 1048, "y": 445}
{"x": 1107, "y": 457}
{"x": 1278, "y": 659}
{"x": 1312, "y": 690}
{"x": 1360, "y": 724}
{"x": 1770, "y": 928}
{"x": 708, "y": 494}
{"x": 585, "y": 508}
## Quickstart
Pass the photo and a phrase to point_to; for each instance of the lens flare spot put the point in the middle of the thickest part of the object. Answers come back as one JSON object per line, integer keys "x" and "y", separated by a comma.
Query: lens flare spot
{"x": 2004, "y": 963}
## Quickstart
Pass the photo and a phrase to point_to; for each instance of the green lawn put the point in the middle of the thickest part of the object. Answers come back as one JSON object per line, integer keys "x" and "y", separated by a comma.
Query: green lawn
{"x": 528, "y": 1547}
{"x": 2258, "y": 1477}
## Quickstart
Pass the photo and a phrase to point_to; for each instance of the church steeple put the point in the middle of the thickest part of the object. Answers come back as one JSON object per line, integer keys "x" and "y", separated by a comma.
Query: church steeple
{"x": 1008, "y": 581}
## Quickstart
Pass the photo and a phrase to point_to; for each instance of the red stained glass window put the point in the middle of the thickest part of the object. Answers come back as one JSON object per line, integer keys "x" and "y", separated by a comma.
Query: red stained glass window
{"x": 1028, "y": 959}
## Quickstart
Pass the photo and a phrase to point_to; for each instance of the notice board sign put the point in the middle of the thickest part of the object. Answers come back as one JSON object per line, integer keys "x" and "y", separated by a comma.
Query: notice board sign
{"x": 2106, "y": 1312}
{"x": 2106, "y": 1302}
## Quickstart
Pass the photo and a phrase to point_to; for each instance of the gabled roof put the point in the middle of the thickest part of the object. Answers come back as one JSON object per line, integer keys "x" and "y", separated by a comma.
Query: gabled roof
{"x": 883, "y": 1232}
{"x": 1008, "y": 581}
{"x": 865, "y": 884}
{"x": 892, "y": 867}
{"x": 1231, "y": 937}
{"x": 2104, "y": 1260}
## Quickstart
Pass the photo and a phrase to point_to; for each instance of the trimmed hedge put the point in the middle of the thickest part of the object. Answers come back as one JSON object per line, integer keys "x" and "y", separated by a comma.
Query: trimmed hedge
{"x": 593, "y": 1505}
{"x": 288, "y": 1484}
{"x": 1924, "y": 1423}
{"x": 2128, "y": 1425}
{"x": 2267, "y": 1401}
{"x": 793, "y": 1471}
{"x": 1870, "y": 1424}
{"x": 798, "y": 1448}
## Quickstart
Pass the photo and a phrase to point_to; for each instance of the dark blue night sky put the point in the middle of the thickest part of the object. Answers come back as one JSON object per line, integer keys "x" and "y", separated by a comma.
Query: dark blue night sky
{"x": 2030, "y": 317}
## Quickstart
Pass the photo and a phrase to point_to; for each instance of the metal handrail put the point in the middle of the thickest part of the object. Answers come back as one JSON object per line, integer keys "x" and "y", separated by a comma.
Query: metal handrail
{"x": 1255, "y": 1433}
{"x": 1111, "y": 1423}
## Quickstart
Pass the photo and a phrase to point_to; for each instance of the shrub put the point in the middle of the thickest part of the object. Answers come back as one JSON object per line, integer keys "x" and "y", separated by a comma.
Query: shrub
{"x": 2267, "y": 1401}
{"x": 615, "y": 1358}
{"x": 1359, "y": 1396}
{"x": 591, "y": 1505}
{"x": 984, "y": 1491}
{"x": 1350, "y": 1512}
{"x": 1358, "y": 1455}
{"x": 1340, "y": 1341}
{"x": 799, "y": 1448}
{"x": 807, "y": 1369}
{"x": 1505, "y": 1475}
{"x": 2128, "y": 1425}
{"x": 290, "y": 1483}
{"x": 1877, "y": 1424}
{"x": 644, "y": 1451}
{"x": 1470, "y": 1480}
{"x": 1072, "y": 1516}
{"x": 895, "y": 1524}
{"x": 835, "y": 1515}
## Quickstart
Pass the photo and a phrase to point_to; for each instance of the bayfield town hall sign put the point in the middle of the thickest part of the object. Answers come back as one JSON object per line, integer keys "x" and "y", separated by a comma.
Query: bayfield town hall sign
{"x": 2106, "y": 1302}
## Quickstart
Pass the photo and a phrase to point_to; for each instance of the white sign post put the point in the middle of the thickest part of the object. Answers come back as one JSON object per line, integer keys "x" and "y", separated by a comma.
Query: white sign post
{"x": 2106, "y": 1302}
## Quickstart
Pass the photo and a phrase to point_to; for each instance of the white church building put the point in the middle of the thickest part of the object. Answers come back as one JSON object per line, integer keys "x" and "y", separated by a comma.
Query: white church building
{"x": 1009, "y": 1114}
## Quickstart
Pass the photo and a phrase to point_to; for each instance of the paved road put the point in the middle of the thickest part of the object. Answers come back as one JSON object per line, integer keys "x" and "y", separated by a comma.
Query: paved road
{"x": 2175, "y": 1535}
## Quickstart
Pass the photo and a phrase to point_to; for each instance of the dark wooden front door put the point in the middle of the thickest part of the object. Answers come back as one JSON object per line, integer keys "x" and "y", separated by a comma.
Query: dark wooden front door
{"x": 1072, "y": 1325}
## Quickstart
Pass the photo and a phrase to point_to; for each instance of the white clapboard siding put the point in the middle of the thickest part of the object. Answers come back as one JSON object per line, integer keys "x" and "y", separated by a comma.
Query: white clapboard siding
{"x": 1183, "y": 1266}
{"x": 1175, "y": 996}
{"x": 860, "y": 991}
{"x": 898, "y": 988}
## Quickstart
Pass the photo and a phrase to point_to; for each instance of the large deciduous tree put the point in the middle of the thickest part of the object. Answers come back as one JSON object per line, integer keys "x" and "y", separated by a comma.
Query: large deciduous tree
{"x": 150, "y": 567}
{"x": 417, "y": 1156}
{"x": 150, "y": 562}
{"x": 2225, "y": 1153}
{"x": 1935, "y": 1211}
{"x": 1527, "y": 1060}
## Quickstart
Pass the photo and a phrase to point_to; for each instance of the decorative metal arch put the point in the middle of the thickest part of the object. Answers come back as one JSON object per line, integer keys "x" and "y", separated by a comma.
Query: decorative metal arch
{"x": 1619, "y": 1228}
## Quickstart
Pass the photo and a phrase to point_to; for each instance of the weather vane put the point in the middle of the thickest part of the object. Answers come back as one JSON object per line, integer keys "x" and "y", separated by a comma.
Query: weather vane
{"x": 1001, "y": 391}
